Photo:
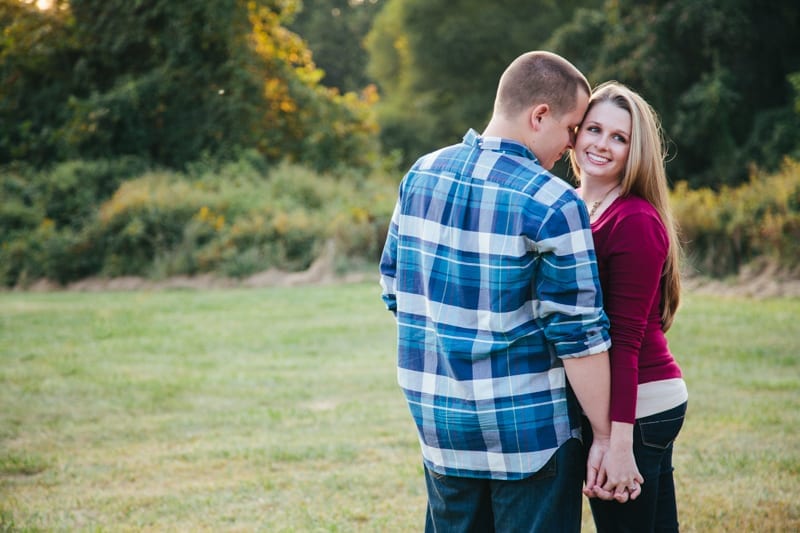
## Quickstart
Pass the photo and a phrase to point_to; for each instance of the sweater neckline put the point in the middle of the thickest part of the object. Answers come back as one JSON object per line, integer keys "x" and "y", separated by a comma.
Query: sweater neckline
{"x": 611, "y": 207}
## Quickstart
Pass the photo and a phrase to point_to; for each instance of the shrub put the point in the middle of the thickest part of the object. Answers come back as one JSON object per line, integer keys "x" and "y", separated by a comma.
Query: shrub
{"x": 235, "y": 218}
{"x": 726, "y": 230}
{"x": 70, "y": 191}
{"x": 242, "y": 217}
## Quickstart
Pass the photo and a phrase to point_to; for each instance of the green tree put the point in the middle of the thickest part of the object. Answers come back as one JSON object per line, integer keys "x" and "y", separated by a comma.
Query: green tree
{"x": 335, "y": 32}
{"x": 171, "y": 82}
{"x": 162, "y": 78}
{"x": 303, "y": 120}
{"x": 717, "y": 72}
{"x": 437, "y": 63}
{"x": 36, "y": 51}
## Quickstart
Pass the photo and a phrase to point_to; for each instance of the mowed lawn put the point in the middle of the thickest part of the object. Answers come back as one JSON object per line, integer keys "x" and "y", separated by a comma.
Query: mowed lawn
{"x": 277, "y": 409}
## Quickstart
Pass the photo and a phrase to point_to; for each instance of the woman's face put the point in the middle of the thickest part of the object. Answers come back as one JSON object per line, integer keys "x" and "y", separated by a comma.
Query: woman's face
{"x": 603, "y": 142}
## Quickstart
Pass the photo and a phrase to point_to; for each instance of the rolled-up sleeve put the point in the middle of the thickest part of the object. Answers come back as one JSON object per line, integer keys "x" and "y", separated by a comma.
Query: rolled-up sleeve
{"x": 567, "y": 294}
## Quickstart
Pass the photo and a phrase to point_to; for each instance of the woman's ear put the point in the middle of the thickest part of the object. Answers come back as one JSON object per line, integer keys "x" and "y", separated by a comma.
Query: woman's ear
{"x": 538, "y": 112}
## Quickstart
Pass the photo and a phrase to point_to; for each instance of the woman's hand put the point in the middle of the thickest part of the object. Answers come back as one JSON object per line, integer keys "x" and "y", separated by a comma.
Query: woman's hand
{"x": 617, "y": 477}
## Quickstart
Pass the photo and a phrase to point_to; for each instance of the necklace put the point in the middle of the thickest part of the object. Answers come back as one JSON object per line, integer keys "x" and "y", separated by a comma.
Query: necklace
{"x": 597, "y": 204}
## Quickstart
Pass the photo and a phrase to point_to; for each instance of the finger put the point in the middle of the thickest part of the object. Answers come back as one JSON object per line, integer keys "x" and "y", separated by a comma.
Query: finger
{"x": 610, "y": 486}
{"x": 635, "y": 491}
{"x": 591, "y": 476}
{"x": 602, "y": 479}
{"x": 602, "y": 494}
{"x": 621, "y": 493}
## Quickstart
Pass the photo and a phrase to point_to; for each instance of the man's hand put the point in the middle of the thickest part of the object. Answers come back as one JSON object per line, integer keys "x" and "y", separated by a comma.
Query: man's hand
{"x": 595, "y": 474}
{"x": 617, "y": 476}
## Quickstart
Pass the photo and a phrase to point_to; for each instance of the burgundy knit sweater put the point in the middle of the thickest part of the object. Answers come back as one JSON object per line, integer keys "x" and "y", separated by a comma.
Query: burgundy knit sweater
{"x": 631, "y": 245}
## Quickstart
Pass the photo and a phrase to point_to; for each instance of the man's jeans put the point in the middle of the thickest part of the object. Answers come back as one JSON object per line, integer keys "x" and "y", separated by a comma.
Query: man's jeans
{"x": 655, "y": 509}
{"x": 549, "y": 501}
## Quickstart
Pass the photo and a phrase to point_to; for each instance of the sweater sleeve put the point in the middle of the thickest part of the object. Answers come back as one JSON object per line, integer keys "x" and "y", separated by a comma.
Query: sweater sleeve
{"x": 638, "y": 248}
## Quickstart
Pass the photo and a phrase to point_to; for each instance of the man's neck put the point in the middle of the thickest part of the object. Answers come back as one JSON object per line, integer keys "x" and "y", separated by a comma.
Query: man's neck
{"x": 501, "y": 127}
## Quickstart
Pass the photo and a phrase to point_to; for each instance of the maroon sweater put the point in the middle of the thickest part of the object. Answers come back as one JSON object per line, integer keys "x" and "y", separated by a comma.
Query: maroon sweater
{"x": 631, "y": 245}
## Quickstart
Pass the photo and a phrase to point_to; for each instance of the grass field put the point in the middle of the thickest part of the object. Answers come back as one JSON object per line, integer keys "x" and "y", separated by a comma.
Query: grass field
{"x": 277, "y": 410}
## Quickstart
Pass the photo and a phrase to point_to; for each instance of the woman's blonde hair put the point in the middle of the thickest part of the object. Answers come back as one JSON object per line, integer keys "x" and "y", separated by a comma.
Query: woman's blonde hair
{"x": 645, "y": 176}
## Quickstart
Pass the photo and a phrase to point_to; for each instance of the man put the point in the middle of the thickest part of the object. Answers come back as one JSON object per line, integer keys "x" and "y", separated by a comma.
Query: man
{"x": 489, "y": 268}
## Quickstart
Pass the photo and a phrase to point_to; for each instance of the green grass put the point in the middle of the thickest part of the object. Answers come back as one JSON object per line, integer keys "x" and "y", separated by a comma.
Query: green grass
{"x": 277, "y": 410}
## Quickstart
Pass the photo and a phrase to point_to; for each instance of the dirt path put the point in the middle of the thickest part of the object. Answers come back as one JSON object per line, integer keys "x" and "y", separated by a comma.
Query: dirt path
{"x": 760, "y": 280}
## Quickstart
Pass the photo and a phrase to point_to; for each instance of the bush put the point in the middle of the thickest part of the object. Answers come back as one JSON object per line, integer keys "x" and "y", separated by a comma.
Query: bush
{"x": 71, "y": 191}
{"x": 242, "y": 217}
{"x": 235, "y": 219}
{"x": 726, "y": 230}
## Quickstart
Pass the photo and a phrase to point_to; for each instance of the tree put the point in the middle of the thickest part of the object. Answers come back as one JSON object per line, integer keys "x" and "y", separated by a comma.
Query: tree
{"x": 171, "y": 82}
{"x": 717, "y": 73}
{"x": 437, "y": 63}
{"x": 36, "y": 50}
{"x": 335, "y": 31}
{"x": 315, "y": 125}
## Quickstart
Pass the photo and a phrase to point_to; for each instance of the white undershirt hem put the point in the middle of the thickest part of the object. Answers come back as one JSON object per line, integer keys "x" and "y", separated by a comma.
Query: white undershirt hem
{"x": 659, "y": 396}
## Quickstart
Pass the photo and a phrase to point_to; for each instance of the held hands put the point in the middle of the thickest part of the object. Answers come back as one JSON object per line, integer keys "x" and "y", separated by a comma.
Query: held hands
{"x": 611, "y": 472}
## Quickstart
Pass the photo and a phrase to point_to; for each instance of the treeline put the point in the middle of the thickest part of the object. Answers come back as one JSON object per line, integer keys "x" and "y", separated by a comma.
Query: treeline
{"x": 723, "y": 74}
{"x": 322, "y": 81}
{"x": 159, "y": 138}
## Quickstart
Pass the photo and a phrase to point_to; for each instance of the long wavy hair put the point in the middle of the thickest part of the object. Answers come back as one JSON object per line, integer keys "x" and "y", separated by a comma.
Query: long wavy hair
{"x": 645, "y": 176}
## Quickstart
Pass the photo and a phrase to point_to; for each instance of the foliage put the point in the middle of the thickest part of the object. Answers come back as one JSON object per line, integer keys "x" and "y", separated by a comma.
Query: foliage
{"x": 718, "y": 73}
{"x": 243, "y": 217}
{"x": 45, "y": 217}
{"x": 726, "y": 230}
{"x": 158, "y": 138}
{"x": 316, "y": 125}
{"x": 334, "y": 31}
{"x": 35, "y": 49}
{"x": 723, "y": 88}
{"x": 437, "y": 63}
{"x": 235, "y": 219}
{"x": 169, "y": 82}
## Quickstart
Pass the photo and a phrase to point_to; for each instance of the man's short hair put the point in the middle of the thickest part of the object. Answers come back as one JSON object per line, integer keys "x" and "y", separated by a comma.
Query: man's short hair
{"x": 539, "y": 78}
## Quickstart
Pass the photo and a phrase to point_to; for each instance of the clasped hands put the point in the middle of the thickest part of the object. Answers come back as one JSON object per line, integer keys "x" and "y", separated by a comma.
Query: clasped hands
{"x": 611, "y": 473}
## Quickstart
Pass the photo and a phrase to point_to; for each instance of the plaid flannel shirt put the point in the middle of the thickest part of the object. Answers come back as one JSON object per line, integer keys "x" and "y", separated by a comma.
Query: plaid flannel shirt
{"x": 490, "y": 270}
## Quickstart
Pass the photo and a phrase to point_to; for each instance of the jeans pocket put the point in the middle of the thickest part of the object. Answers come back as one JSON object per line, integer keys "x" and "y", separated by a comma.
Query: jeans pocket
{"x": 659, "y": 432}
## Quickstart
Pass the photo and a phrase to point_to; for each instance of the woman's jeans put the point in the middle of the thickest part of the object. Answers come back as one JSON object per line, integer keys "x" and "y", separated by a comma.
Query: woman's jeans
{"x": 655, "y": 509}
{"x": 548, "y": 501}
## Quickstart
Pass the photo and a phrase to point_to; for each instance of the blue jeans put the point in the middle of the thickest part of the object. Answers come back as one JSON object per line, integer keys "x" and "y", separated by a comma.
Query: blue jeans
{"x": 548, "y": 501}
{"x": 655, "y": 510}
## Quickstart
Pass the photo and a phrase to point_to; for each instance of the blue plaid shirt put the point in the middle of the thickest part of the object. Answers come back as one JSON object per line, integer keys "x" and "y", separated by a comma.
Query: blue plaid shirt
{"x": 490, "y": 270}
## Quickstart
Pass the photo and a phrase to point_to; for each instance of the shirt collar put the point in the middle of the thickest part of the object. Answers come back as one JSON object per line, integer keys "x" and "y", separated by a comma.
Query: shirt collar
{"x": 498, "y": 144}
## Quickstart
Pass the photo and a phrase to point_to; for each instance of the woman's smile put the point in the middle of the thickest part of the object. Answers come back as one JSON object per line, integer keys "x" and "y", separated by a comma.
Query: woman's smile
{"x": 603, "y": 142}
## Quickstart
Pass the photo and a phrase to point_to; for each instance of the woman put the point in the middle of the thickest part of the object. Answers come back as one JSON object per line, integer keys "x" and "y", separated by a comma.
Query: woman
{"x": 619, "y": 161}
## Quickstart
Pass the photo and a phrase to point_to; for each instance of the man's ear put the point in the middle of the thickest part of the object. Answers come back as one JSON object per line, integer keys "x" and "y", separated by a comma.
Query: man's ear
{"x": 538, "y": 112}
